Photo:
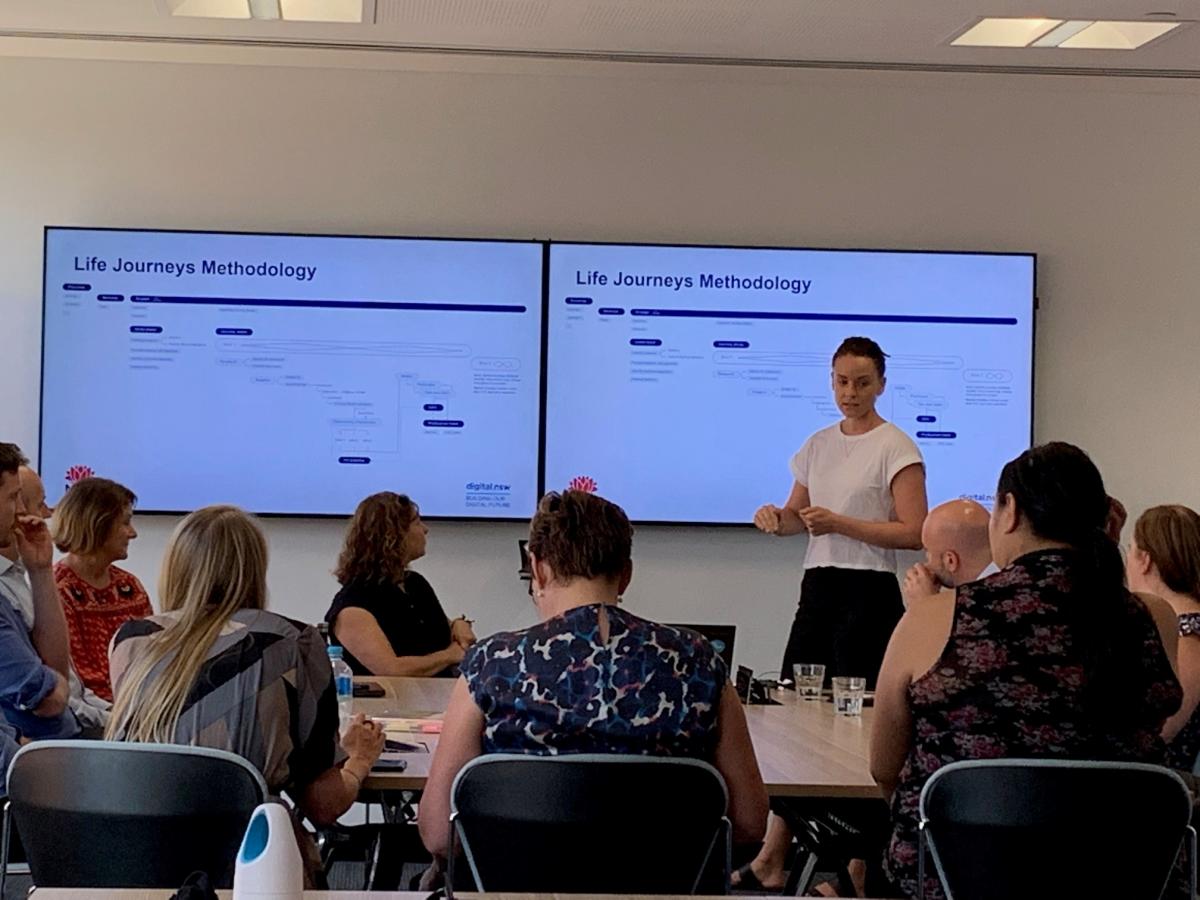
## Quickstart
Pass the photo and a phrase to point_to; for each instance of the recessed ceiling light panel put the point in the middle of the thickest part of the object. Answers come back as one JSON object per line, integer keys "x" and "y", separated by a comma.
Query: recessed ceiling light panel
{"x": 1069, "y": 34}
{"x": 1117, "y": 35}
{"x": 1056, "y": 36}
{"x": 265, "y": 9}
{"x": 1005, "y": 32}
{"x": 210, "y": 9}
{"x": 322, "y": 10}
{"x": 355, "y": 11}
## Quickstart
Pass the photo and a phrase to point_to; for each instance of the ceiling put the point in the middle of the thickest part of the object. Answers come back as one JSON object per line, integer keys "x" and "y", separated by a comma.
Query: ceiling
{"x": 869, "y": 33}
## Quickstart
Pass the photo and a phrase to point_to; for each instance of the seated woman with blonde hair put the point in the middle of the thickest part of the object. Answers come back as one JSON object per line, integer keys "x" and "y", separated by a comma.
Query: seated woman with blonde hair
{"x": 592, "y": 678}
{"x": 217, "y": 670}
{"x": 386, "y": 617}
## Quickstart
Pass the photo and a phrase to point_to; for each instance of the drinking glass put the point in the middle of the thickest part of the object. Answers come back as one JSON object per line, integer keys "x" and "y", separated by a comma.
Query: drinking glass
{"x": 848, "y": 695}
{"x": 810, "y": 678}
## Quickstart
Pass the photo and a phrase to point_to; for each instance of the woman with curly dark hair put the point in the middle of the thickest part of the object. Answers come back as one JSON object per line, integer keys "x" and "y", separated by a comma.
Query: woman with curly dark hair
{"x": 386, "y": 617}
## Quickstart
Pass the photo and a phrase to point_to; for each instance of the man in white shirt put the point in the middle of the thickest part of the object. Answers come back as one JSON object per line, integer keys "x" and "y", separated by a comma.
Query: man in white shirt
{"x": 14, "y": 582}
{"x": 32, "y": 502}
{"x": 91, "y": 711}
{"x": 33, "y": 663}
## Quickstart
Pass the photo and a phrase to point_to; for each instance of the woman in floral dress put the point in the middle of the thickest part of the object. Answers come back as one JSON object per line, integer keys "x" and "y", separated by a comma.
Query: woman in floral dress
{"x": 1051, "y": 657}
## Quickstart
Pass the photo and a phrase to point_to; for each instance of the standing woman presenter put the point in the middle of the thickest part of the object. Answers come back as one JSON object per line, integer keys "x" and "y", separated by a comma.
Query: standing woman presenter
{"x": 859, "y": 494}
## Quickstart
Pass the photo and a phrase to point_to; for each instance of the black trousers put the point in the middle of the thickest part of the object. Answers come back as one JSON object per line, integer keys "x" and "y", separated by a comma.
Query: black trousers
{"x": 844, "y": 620}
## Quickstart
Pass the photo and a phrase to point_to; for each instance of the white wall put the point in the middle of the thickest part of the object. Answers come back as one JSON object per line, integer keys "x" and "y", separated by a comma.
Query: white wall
{"x": 1098, "y": 176}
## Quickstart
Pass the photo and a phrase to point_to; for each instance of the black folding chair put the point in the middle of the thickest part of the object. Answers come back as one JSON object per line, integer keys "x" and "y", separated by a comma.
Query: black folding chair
{"x": 591, "y": 823}
{"x": 99, "y": 814}
{"x": 1035, "y": 828}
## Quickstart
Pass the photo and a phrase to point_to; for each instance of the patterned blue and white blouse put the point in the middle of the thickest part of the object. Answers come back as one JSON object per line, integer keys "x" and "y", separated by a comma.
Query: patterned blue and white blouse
{"x": 650, "y": 689}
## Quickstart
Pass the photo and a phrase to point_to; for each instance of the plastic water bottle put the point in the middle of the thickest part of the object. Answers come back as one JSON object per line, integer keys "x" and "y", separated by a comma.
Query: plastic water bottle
{"x": 343, "y": 679}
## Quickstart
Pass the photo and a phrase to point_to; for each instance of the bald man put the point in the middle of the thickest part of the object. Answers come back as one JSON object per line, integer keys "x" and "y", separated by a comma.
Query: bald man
{"x": 955, "y": 537}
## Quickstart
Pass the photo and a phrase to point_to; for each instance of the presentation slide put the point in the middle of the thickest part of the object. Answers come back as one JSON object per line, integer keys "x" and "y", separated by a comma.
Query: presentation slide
{"x": 681, "y": 380}
{"x": 293, "y": 374}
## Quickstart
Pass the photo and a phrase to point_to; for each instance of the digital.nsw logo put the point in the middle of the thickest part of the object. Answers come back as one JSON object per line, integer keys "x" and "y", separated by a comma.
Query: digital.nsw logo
{"x": 488, "y": 487}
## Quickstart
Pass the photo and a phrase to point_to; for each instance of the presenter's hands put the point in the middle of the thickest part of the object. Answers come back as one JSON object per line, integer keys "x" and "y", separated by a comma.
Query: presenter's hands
{"x": 767, "y": 518}
{"x": 818, "y": 520}
{"x": 462, "y": 633}
{"x": 34, "y": 543}
{"x": 919, "y": 584}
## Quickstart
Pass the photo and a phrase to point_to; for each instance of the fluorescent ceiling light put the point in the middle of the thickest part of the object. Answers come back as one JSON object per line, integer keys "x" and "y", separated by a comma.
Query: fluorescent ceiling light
{"x": 1070, "y": 34}
{"x": 211, "y": 9}
{"x": 1005, "y": 32}
{"x": 322, "y": 10}
{"x": 276, "y": 10}
{"x": 1117, "y": 35}
{"x": 1055, "y": 36}
{"x": 265, "y": 9}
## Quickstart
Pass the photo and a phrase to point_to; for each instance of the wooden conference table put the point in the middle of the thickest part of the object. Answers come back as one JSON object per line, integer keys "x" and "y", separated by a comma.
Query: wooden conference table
{"x": 803, "y": 748}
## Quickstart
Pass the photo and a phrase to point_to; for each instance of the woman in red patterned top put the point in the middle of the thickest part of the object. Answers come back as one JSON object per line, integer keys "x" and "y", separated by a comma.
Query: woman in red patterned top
{"x": 93, "y": 525}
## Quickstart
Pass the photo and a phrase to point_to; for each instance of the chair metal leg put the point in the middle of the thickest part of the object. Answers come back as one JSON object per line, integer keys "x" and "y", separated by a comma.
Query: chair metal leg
{"x": 4, "y": 847}
{"x": 1191, "y": 855}
{"x": 726, "y": 849}
{"x": 722, "y": 844}
{"x": 800, "y": 878}
{"x": 921, "y": 861}
{"x": 451, "y": 855}
{"x": 371, "y": 867}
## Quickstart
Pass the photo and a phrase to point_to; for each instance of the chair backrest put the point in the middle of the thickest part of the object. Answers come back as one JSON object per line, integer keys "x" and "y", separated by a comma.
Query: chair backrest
{"x": 592, "y": 823}
{"x": 106, "y": 814}
{"x": 1055, "y": 828}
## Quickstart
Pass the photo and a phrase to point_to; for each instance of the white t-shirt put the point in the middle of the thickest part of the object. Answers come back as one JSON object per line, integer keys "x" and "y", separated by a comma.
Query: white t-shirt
{"x": 852, "y": 475}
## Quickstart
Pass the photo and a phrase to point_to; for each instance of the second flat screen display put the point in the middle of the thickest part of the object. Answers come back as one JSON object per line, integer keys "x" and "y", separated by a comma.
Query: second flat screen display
{"x": 681, "y": 380}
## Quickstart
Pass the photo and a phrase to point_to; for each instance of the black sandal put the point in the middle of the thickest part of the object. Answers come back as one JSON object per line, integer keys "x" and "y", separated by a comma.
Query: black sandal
{"x": 748, "y": 882}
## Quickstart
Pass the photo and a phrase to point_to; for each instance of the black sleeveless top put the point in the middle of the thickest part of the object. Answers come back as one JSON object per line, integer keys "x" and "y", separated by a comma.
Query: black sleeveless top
{"x": 412, "y": 618}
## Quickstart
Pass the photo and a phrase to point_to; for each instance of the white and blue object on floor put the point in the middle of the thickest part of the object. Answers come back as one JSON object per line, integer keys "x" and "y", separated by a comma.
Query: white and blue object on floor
{"x": 268, "y": 864}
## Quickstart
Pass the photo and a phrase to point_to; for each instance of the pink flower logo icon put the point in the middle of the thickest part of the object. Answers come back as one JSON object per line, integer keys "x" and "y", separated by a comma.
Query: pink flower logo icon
{"x": 585, "y": 483}
{"x": 78, "y": 473}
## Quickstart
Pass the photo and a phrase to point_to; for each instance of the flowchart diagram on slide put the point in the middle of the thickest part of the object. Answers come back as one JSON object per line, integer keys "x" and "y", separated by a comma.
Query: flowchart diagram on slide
{"x": 411, "y": 365}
